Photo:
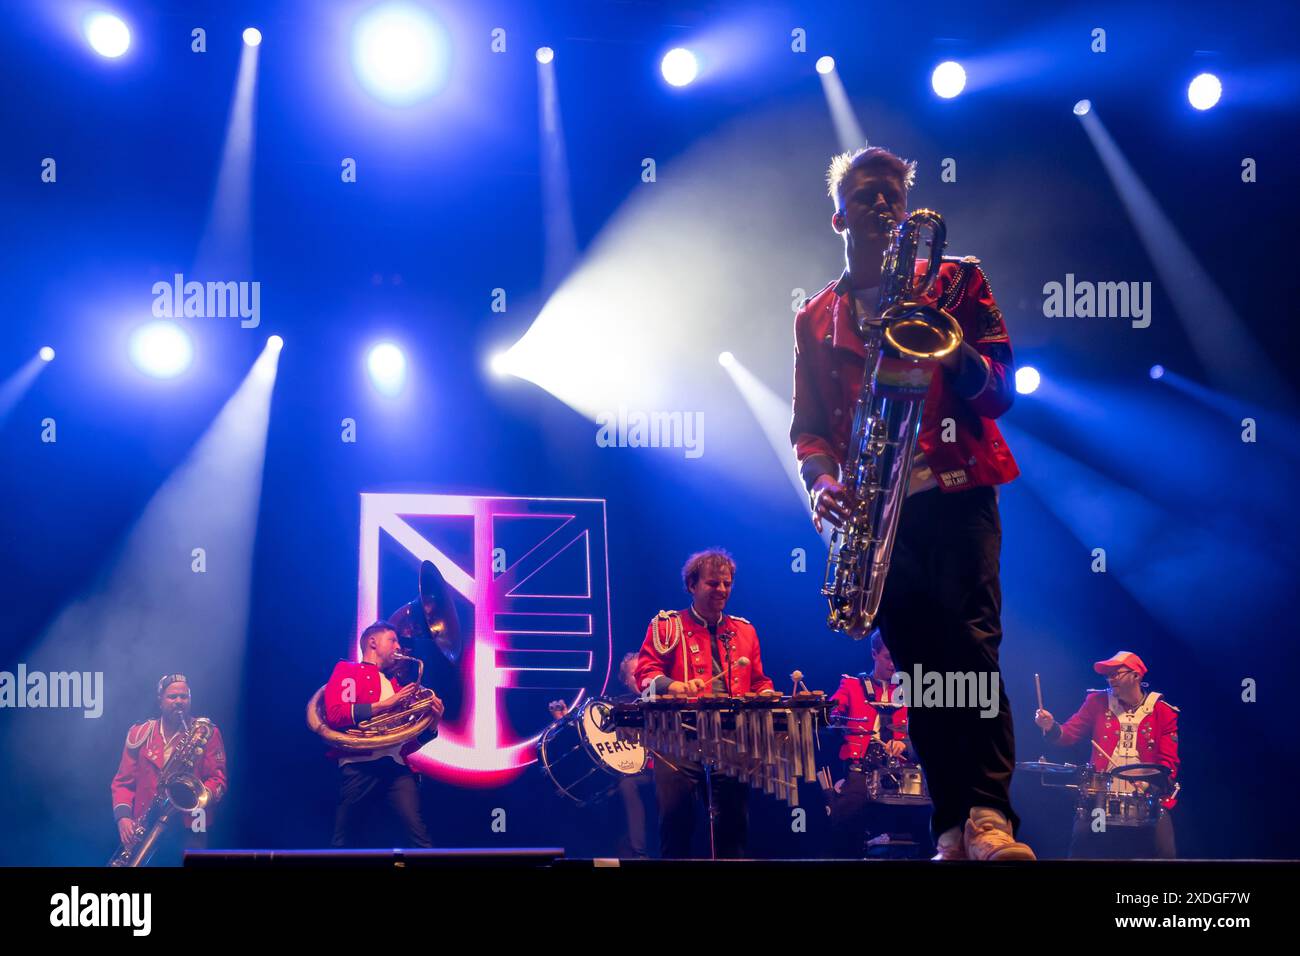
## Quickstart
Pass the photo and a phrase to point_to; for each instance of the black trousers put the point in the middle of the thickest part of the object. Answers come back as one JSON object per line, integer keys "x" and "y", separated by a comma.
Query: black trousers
{"x": 632, "y": 842}
{"x": 942, "y": 610}
{"x": 678, "y": 791}
{"x": 855, "y": 819}
{"x": 363, "y": 785}
{"x": 1123, "y": 843}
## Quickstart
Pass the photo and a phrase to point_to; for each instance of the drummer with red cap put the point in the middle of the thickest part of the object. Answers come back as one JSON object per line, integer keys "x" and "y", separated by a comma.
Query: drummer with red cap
{"x": 1126, "y": 725}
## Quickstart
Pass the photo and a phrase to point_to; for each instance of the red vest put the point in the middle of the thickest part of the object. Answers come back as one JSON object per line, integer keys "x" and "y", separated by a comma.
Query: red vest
{"x": 678, "y": 647}
{"x": 829, "y": 360}
{"x": 136, "y": 780}
{"x": 851, "y": 701}
{"x": 1156, "y": 740}
{"x": 356, "y": 683}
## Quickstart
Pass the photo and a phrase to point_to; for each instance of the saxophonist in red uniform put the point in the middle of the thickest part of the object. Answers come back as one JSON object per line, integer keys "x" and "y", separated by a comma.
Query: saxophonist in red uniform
{"x": 942, "y": 601}
{"x": 148, "y": 748}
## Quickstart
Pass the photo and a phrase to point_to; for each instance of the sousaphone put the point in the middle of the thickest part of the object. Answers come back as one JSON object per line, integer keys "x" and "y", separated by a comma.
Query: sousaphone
{"x": 431, "y": 616}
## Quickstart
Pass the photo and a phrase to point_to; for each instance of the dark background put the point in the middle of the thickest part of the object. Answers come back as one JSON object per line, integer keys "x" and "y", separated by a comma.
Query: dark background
{"x": 448, "y": 207}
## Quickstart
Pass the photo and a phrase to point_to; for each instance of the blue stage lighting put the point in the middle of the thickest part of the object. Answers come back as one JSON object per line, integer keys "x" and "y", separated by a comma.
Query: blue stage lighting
{"x": 400, "y": 53}
{"x": 252, "y": 36}
{"x": 1027, "y": 379}
{"x": 679, "y": 66}
{"x": 1083, "y": 107}
{"x": 161, "y": 349}
{"x": 1204, "y": 91}
{"x": 107, "y": 35}
{"x": 948, "y": 79}
{"x": 545, "y": 54}
{"x": 387, "y": 367}
{"x": 825, "y": 64}
{"x": 46, "y": 354}
{"x": 1157, "y": 371}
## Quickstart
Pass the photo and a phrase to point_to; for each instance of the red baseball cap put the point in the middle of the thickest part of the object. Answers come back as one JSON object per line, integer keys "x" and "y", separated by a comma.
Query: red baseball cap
{"x": 1122, "y": 659}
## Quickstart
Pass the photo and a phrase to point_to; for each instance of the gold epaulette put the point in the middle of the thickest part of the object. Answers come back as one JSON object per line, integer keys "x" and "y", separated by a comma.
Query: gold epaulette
{"x": 138, "y": 734}
{"x": 742, "y": 620}
{"x": 969, "y": 260}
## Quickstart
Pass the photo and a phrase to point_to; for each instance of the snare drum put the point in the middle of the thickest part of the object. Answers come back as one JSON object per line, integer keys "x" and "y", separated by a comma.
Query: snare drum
{"x": 583, "y": 761}
{"x": 1123, "y": 805}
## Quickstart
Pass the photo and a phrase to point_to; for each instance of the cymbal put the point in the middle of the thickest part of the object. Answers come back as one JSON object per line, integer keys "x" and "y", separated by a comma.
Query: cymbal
{"x": 1048, "y": 768}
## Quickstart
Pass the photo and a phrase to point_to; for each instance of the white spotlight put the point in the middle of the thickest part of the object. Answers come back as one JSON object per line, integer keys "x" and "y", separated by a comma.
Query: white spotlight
{"x": 726, "y": 359}
{"x": 387, "y": 367}
{"x": 1027, "y": 379}
{"x": 1083, "y": 107}
{"x": 1204, "y": 91}
{"x": 161, "y": 349}
{"x": 545, "y": 54}
{"x": 948, "y": 79}
{"x": 400, "y": 53}
{"x": 275, "y": 343}
{"x": 252, "y": 36}
{"x": 107, "y": 35}
{"x": 679, "y": 66}
{"x": 500, "y": 364}
{"x": 825, "y": 64}
{"x": 46, "y": 354}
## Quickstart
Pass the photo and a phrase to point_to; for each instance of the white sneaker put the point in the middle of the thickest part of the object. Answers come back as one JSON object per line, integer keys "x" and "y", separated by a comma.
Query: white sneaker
{"x": 951, "y": 845}
{"x": 989, "y": 837}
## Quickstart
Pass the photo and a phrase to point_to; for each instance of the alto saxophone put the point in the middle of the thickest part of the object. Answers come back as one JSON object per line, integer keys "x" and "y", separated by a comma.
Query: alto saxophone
{"x": 178, "y": 789}
{"x": 903, "y": 343}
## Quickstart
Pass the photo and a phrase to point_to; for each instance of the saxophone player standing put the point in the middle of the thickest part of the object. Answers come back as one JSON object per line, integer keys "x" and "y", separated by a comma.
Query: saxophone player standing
{"x": 941, "y": 608}
{"x": 148, "y": 748}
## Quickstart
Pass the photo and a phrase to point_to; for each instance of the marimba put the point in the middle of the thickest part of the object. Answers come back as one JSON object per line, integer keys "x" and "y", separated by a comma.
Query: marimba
{"x": 768, "y": 742}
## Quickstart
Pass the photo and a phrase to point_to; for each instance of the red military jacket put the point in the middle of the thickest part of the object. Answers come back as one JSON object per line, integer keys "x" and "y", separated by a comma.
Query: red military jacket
{"x": 851, "y": 701}
{"x": 677, "y": 646}
{"x": 1156, "y": 739}
{"x": 136, "y": 781}
{"x": 352, "y": 690}
{"x": 828, "y": 372}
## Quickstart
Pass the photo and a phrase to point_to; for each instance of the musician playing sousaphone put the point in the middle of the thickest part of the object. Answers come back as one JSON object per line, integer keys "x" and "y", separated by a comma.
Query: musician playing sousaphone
{"x": 374, "y": 713}
{"x": 359, "y": 691}
{"x": 942, "y": 602}
{"x": 700, "y": 651}
{"x": 1127, "y": 726}
{"x": 146, "y": 756}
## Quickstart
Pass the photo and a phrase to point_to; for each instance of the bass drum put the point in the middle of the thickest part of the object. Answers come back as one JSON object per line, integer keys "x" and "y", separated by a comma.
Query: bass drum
{"x": 584, "y": 761}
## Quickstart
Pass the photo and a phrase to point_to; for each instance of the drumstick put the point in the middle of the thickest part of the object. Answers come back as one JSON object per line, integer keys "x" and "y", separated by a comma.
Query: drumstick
{"x": 1038, "y": 686}
{"x": 1110, "y": 761}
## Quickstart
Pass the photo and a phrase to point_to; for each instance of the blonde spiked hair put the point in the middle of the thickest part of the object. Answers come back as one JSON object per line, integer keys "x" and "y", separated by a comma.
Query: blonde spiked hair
{"x": 850, "y": 160}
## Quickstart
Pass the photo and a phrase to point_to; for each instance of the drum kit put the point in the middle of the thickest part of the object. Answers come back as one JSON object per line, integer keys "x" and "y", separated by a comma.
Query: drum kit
{"x": 1129, "y": 796}
{"x": 890, "y": 780}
